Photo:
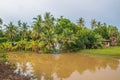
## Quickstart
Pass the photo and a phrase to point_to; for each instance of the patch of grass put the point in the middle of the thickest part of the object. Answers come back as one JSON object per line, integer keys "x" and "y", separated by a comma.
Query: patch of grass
{"x": 22, "y": 51}
{"x": 3, "y": 57}
{"x": 111, "y": 52}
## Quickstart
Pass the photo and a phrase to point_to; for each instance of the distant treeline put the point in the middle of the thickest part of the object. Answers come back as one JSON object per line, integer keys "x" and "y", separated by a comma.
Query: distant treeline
{"x": 44, "y": 33}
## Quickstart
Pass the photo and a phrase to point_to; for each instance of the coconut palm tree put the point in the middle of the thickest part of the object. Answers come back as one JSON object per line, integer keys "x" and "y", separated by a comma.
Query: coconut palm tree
{"x": 11, "y": 31}
{"x": 48, "y": 20}
{"x": 49, "y": 29}
{"x": 81, "y": 22}
{"x": 24, "y": 29}
{"x": 19, "y": 27}
{"x": 37, "y": 27}
{"x": 99, "y": 24}
{"x": 93, "y": 23}
{"x": 1, "y": 22}
{"x": 112, "y": 31}
{"x": 19, "y": 23}
{"x": 1, "y": 31}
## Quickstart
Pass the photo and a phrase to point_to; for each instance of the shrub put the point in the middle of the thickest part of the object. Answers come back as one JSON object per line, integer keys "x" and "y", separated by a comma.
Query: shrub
{"x": 3, "y": 40}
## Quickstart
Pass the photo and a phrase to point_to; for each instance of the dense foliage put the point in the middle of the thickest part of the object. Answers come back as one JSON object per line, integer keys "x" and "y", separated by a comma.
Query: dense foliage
{"x": 45, "y": 32}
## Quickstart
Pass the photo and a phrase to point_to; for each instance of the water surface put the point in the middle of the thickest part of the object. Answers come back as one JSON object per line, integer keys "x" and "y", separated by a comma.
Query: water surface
{"x": 67, "y": 66}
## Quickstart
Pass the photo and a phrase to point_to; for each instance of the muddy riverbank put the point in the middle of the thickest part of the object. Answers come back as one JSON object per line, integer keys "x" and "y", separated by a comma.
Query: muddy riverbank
{"x": 7, "y": 73}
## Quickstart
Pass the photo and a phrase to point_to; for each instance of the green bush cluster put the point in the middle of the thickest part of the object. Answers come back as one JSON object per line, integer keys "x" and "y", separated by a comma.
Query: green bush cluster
{"x": 24, "y": 45}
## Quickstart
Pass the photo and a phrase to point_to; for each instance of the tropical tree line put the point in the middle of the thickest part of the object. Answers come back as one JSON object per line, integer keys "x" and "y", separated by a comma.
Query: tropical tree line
{"x": 45, "y": 32}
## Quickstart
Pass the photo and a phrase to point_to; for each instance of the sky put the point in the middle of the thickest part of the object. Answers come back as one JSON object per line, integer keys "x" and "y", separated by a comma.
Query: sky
{"x": 102, "y": 10}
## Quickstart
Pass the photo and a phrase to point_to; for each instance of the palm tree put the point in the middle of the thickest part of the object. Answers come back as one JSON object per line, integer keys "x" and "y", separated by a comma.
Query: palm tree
{"x": 113, "y": 34}
{"x": 49, "y": 29}
{"x": 112, "y": 31}
{"x": 1, "y": 32}
{"x": 19, "y": 23}
{"x": 1, "y": 22}
{"x": 93, "y": 23}
{"x": 24, "y": 30}
{"x": 11, "y": 31}
{"x": 98, "y": 24}
{"x": 48, "y": 20}
{"x": 81, "y": 22}
{"x": 37, "y": 27}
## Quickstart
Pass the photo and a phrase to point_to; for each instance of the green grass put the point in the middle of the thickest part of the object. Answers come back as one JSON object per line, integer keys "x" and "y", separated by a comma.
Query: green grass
{"x": 111, "y": 52}
{"x": 3, "y": 57}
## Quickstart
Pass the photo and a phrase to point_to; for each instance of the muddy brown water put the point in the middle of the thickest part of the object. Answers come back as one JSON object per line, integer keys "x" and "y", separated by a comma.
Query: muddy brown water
{"x": 66, "y": 66}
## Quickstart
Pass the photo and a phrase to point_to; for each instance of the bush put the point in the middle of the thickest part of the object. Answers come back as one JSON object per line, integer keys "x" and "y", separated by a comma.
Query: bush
{"x": 3, "y": 40}
{"x": 6, "y": 46}
{"x": 20, "y": 45}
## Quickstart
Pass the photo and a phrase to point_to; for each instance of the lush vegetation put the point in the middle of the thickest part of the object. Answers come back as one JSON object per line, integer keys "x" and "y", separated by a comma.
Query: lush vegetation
{"x": 44, "y": 33}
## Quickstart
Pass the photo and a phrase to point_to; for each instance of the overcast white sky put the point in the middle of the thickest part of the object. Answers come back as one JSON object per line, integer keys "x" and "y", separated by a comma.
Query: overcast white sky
{"x": 102, "y": 10}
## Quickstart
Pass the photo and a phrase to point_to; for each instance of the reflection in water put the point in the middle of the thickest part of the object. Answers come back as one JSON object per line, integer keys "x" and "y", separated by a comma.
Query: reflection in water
{"x": 28, "y": 70}
{"x": 66, "y": 67}
{"x": 55, "y": 76}
{"x": 99, "y": 74}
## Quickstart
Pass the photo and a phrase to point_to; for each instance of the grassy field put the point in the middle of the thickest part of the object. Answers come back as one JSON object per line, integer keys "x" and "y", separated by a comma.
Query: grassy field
{"x": 111, "y": 52}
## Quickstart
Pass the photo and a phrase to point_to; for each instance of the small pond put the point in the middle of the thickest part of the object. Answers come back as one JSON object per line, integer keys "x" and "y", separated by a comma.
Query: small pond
{"x": 66, "y": 66}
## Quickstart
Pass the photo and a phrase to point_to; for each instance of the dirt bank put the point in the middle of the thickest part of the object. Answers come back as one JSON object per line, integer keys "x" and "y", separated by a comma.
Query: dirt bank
{"x": 7, "y": 73}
